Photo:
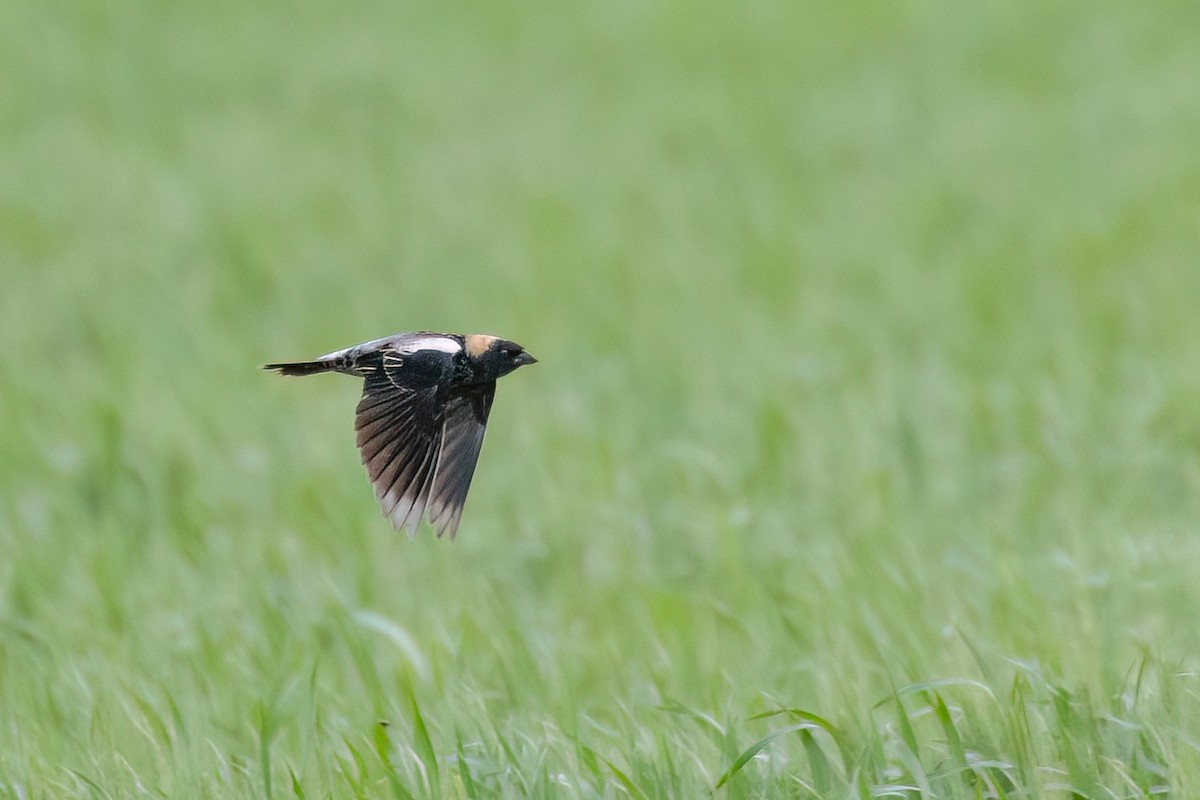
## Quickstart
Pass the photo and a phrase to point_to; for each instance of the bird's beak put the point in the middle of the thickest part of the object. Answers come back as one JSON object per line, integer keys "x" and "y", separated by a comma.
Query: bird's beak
{"x": 525, "y": 358}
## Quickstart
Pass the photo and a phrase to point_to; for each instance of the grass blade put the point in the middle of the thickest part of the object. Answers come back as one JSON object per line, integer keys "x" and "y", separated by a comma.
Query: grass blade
{"x": 464, "y": 771}
{"x": 383, "y": 748}
{"x": 817, "y": 763}
{"x": 754, "y": 749}
{"x": 423, "y": 744}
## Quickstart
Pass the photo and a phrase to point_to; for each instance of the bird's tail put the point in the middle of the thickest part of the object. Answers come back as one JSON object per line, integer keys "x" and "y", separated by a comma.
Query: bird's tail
{"x": 302, "y": 367}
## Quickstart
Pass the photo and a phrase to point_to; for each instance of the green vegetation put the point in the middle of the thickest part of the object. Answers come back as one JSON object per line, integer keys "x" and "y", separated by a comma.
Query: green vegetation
{"x": 862, "y": 460}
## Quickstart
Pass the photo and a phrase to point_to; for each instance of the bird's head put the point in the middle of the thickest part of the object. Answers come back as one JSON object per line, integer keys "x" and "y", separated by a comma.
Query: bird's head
{"x": 494, "y": 357}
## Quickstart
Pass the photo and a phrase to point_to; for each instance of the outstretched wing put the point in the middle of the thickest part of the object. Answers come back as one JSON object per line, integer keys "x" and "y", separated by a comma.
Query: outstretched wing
{"x": 399, "y": 437}
{"x": 465, "y": 420}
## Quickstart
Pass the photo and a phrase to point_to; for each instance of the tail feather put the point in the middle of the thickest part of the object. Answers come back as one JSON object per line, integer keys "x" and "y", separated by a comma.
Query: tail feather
{"x": 301, "y": 367}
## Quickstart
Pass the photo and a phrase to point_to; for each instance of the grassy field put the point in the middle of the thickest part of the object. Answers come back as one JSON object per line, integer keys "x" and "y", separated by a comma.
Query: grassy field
{"x": 862, "y": 460}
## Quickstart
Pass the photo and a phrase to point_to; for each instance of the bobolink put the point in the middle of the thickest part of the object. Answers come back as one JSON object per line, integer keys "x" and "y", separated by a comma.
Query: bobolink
{"x": 420, "y": 422}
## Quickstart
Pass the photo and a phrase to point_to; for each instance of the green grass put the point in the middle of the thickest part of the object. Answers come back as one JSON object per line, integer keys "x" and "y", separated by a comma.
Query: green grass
{"x": 862, "y": 460}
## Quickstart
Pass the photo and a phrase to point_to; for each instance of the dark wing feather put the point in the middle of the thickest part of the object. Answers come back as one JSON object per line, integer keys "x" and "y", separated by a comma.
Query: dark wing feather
{"x": 461, "y": 438}
{"x": 399, "y": 437}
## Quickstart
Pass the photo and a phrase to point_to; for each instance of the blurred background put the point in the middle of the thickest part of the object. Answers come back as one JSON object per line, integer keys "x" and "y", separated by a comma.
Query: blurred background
{"x": 869, "y": 357}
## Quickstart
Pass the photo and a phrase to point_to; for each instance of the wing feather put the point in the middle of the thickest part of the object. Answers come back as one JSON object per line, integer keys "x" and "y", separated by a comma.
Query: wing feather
{"x": 399, "y": 435}
{"x": 462, "y": 437}
{"x": 423, "y": 481}
{"x": 402, "y": 464}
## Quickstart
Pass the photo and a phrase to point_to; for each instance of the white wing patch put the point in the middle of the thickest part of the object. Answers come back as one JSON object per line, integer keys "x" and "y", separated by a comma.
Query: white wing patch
{"x": 443, "y": 344}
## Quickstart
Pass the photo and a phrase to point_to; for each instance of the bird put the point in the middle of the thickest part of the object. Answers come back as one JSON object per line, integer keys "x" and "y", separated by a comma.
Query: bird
{"x": 420, "y": 423}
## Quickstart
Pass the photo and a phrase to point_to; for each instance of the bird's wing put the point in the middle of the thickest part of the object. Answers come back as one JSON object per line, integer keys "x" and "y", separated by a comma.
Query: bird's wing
{"x": 399, "y": 436}
{"x": 462, "y": 435}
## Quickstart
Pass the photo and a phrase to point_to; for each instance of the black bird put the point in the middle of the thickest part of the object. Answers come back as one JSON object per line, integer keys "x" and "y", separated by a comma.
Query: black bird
{"x": 420, "y": 422}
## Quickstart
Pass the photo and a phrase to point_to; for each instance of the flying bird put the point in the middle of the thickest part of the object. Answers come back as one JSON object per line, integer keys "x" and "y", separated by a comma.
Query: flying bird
{"x": 420, "y": 422}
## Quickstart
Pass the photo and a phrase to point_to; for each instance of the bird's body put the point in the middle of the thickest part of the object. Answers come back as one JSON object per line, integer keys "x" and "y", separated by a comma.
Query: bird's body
{"x": 421, "y": 419}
